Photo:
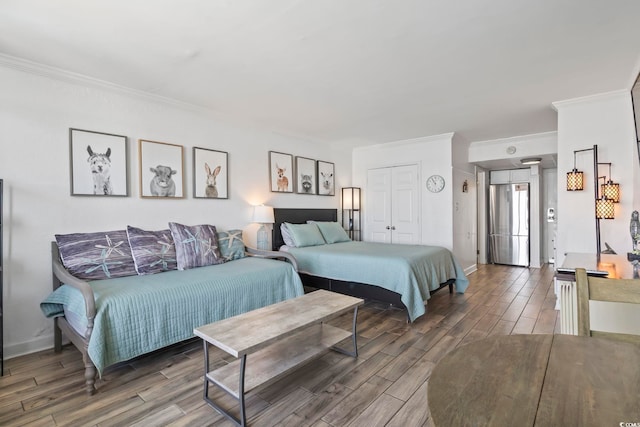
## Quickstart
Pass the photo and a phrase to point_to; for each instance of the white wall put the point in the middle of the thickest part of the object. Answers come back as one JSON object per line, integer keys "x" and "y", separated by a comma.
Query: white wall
{"x": 605, "y": 120}
{"x": 433, "y": 155}
{"x": 549, "y": 200}
{"x": 36, "y": 113}
{"x": 533, "y": 145}
{"x": 465, "y": 206}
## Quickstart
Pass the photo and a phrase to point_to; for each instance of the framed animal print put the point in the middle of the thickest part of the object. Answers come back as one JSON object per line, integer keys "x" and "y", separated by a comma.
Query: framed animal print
{"x": 326, "y": 181}
{"x": 281, "y": 172}
{"x": 210, "y": 174}
{"x": 161, "y": 170}
{"x": 305, "y": 175}
{"x": 98, "y": 163}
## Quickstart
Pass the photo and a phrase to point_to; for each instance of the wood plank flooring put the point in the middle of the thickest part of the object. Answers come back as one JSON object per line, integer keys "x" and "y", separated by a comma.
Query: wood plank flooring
{"x": 385, "y": 386}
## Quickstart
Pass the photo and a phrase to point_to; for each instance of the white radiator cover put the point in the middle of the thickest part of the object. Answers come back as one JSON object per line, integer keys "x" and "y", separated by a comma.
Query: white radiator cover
{"x": 568, "y": 304}
{"x": 604, "y": 316}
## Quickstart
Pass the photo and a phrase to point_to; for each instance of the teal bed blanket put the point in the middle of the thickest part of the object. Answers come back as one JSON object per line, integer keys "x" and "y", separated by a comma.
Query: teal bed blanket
{"x": 139, "y": 314}
{"x": 409, "y": 270}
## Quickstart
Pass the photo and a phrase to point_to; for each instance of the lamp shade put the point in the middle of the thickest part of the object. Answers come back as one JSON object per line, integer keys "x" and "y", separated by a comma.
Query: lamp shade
{"x": 575, "y": 180}
{"x": 611, "y": 190}
{"x": 351, "y": 198}
{"x": 605, "y": 209}
{"x": 263, "y": 214}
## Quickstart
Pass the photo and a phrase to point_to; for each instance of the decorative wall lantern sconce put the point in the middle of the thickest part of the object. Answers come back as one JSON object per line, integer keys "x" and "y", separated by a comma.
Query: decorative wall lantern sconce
{"x": 605, "y": 195}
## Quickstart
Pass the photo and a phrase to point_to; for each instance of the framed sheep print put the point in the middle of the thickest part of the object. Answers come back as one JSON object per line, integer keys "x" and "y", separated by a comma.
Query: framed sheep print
{"x": 281, "y": 172}
{"x": 98, "y": 163}
{"x": 305, "y": 176}
{"x": 210, "y": 174}
{"x": 161, "y": 171}
{"x": 326, "y": 183}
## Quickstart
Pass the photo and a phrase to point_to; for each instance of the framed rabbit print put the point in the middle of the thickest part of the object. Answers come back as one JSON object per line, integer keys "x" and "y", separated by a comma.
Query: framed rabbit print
{"x": 210, "y": 174}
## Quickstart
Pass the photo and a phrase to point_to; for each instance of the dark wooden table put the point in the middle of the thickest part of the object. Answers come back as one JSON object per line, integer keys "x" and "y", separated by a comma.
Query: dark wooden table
{"x": 545, "y": 380}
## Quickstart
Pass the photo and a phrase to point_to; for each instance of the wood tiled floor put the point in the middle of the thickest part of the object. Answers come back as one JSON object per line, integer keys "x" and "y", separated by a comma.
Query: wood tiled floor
{"x": 385, "y": 386}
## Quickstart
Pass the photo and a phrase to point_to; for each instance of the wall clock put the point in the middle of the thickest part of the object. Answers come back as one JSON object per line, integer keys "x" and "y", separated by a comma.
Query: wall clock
{"x": 435, "y": 183}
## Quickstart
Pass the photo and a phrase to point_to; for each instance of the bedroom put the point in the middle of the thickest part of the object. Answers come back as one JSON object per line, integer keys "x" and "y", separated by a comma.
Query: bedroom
{"x": 40, "y": 103}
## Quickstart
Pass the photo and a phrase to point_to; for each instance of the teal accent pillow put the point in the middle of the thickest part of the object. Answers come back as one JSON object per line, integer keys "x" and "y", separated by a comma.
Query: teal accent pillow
{"x": 231, "y": 244}
{"x": 332, "y": 232}
{"x": 305, "y": 235}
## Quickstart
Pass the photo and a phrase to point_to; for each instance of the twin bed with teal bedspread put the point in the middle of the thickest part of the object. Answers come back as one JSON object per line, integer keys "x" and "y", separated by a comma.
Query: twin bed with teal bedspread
{"x": 409, "y": 270}
{"x": 138, "y": 314}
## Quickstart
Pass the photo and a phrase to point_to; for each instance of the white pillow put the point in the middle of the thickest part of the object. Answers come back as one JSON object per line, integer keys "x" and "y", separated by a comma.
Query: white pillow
{"x": 286, "y": 235}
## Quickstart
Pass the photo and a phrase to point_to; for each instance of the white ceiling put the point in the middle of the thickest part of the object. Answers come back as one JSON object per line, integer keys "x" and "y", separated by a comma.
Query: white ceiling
{"x": 344, "y": 71}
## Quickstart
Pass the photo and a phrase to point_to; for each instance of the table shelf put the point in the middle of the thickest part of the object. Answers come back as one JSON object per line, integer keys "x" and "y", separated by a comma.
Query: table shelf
{"x": 275, "y": 361}
{"x": 271, "y": 341}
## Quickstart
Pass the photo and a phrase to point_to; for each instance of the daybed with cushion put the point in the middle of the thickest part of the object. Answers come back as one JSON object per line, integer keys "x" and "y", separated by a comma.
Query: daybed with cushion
{"x": 120, "y": 294}
{"x": 403, "y": 275}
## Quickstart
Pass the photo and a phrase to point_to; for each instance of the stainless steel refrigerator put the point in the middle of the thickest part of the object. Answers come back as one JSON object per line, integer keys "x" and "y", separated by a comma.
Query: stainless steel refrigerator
{"x": 509, "y": 224}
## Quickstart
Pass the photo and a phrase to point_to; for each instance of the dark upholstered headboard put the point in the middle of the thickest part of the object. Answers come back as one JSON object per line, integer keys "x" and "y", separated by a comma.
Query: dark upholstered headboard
{"x": 298, "y": 216}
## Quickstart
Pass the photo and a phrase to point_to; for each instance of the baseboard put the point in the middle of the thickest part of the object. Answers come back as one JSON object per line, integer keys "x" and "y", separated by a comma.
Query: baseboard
{"x": 471, "y": 269}
{"x": 38, "y": 344}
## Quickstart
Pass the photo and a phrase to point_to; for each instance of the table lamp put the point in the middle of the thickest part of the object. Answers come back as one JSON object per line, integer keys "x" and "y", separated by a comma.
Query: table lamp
{"x": 263, "y": 215}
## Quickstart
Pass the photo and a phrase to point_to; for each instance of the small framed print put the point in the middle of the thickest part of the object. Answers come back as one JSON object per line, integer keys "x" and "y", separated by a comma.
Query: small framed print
{"x": 281, "y": 172}
{"x": 98, "y": 163}
{"x": 210, "y": 174}
{"x": 161, "y": 170}
{"x": 326, "y": 181}
{"x": 305, "y": 175}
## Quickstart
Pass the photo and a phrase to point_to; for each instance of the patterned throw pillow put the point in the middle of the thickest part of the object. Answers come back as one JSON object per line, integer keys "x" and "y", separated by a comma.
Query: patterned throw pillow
{"x": 96, "y": 256}
{"x": 196, "y": 246}
{"x": 153, "y": 251}
{"x": 231, "y": 244}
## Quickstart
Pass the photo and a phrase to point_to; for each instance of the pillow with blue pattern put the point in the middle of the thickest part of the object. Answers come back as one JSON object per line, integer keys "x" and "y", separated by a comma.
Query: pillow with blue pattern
{"x": 153, "y": 251}
{"x": 96, "y": 256}
{"x": 196, "y": 245}
{"x": 231, "y": 244}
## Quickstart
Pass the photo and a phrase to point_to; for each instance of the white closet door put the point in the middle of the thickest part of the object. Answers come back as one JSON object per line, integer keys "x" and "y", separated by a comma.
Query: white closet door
{"x": 392, "y": 205}
{"x": 378, "y": 207}
{"x": 405, "y": 210}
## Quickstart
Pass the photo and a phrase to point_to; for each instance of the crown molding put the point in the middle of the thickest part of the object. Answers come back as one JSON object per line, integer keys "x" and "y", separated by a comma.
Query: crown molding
{"x": 413, "y": 141}
{"x": 551, "y": 135}
{"x": 66, "y": 76}
{"x": 590, "y": 99}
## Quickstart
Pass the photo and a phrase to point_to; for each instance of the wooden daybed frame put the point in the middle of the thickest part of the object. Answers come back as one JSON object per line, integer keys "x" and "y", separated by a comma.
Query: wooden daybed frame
{"x": 61, "y": 276}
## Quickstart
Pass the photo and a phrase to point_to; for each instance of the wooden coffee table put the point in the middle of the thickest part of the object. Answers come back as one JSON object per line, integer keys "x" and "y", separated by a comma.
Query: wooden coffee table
{"x": 279, "y": 338}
